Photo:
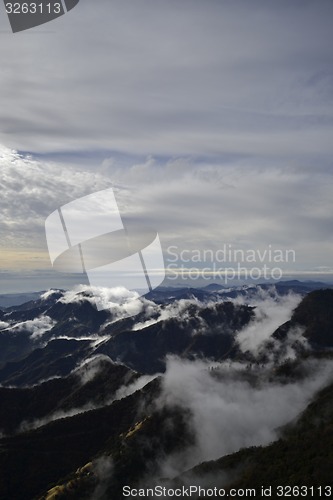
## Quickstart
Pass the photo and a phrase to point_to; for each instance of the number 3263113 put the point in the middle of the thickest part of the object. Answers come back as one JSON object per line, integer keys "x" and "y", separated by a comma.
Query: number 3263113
{"x": 33, "y": 8}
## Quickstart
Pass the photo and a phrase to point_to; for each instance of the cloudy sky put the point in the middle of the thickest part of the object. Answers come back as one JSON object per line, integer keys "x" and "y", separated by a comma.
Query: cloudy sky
{"x": 212, "y": 120}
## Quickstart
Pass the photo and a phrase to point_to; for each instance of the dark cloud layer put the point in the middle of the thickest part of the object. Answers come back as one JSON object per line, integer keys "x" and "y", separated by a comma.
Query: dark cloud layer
{"x": 157, "y": 77}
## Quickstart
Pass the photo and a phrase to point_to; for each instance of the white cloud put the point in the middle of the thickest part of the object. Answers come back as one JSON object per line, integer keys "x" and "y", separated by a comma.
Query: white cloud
{"x": 121, "y": 302}
{"x": 49, "y": 293}
{"x": 228, "y": 413}
{"x": 90, "y": 367}
{"x": 37, "y": 326}
{"x": 289, "y": 348}
{"x": 128, "y": 389}
{"x": 31, "y": 191}
{"x": 271, "y": 311}
{"x": 57, "y": 415}
{"x": 177, "y": 309}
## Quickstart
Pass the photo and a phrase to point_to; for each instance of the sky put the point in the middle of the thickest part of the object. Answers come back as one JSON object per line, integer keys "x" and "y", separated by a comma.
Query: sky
{"x": 212, "y": 120}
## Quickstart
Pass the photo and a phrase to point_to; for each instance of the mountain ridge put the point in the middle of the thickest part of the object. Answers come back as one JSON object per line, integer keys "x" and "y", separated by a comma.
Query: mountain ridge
{"x": 97, "y": 420}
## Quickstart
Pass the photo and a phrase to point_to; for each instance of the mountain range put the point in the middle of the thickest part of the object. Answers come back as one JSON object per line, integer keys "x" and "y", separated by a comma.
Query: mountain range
{"x": 212, "y": 386}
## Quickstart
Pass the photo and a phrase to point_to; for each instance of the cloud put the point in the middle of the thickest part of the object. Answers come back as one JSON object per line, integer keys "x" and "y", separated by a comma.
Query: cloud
{"x": 48, "y": 294}
{"x": 94, "y": 338}
{"x": 103, "y": 470}
{"x": 122, "y": 303}
{"x": 57, "y": 415}
{"x": 212, "y": 117}
{"x": 86, "y": 372}
{"x": 206, "y": 205}
{"x": 288, "y": 349}
{"x": 271, "y": 311}
{"x": 192, "y": 204}
{"x": 150, "y": 77}
{"x": 91, "y": 367}
{"x": 177, "y": 309}
{"x": 31, "y": 191}
{"x": 37, "y": 326}
{"x": 138, "y": 384}
{"x": 227, "y": 411}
